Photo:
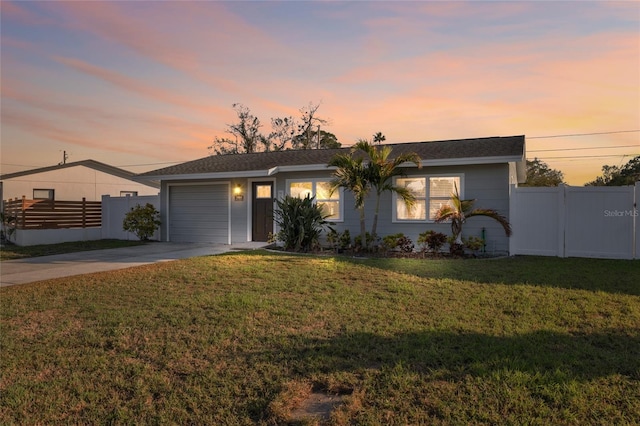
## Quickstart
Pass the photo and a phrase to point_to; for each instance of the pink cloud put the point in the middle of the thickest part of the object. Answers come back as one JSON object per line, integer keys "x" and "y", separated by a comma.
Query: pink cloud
{"x": 10, "y": 10}
{"x": 181, "y": 37}
{"x": 136, "y": 86}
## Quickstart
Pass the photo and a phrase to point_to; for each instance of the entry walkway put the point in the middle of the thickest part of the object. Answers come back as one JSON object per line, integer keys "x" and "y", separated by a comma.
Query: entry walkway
{"x": 33, "y": 269}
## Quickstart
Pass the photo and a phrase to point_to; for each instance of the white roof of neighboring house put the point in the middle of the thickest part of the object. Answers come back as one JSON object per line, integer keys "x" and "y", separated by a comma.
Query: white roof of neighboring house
{"x": 92, "y": 164}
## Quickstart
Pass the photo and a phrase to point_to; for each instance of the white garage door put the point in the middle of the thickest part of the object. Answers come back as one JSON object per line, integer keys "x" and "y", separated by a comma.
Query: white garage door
{"x": 199, "y": 213}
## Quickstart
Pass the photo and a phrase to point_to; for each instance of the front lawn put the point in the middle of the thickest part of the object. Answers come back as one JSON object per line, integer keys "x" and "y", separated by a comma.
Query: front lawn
{"x": 243, "y": 338}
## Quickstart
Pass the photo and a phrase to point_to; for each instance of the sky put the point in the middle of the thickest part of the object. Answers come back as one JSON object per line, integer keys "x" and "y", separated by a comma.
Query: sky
{"x": 146, "y": 84}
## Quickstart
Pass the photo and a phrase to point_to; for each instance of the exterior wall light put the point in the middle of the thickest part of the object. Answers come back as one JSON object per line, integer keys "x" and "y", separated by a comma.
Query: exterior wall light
{"x": 237, "y": 193}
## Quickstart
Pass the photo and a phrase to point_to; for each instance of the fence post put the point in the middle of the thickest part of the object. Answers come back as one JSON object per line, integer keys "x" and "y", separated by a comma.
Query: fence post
{"x": 106, "y": 216}
{"x": 636, "y": 226}
{"x": 563, "y": 218}
{"x": 513, "y": 215}
{"x": 84, "y": 212}
{"x": 24, "y": 211}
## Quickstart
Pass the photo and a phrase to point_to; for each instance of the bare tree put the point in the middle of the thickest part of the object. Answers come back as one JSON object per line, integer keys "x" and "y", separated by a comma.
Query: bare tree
{"x": 286, "y": 133}
{"x": 283, "y": 132}
{"x": 304, "y": 139}
{"x": 246, "y": 132}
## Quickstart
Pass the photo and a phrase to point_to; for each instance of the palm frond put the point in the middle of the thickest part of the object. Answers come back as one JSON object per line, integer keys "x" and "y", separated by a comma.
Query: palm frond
{"x": 445, "y": 213}
{"x": 493, "y": 214}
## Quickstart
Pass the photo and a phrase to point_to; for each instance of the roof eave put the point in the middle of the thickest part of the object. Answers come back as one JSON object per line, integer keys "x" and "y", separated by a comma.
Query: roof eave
{"x": 217, "y": 175}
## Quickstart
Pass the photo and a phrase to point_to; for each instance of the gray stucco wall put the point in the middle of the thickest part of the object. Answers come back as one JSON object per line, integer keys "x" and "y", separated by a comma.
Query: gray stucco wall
{"x": 488, "y": 184}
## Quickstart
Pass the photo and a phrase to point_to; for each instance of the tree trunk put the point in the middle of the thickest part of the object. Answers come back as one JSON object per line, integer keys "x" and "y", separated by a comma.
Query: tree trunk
{"x": 374, "y": 228}
{"x": 456, "y": 228}
{"x": 363, "y": 229}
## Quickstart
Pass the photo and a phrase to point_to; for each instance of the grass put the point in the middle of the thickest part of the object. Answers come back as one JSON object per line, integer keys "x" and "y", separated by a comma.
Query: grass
{"x": 239, "y": 339}
{"x": 12, "y": 252}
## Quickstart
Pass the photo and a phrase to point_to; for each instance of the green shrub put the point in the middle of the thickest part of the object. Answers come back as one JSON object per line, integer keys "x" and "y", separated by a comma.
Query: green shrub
{"x": 333, "y": 239}
{"x": 456, "y": 249}
{"x": 142, "y": 221}
{"x": 339, "y": 240}
{"x": 405, "y": 244}
{"x": 301, "y": 221}
{"x": 390, "y": 242}
{"x": 431, "y": 240}
{"x": 8, "y": 225}
{"x": 345, "y": 240}
{"x": 473, "y": 243}
{"x": 357, "y": 241}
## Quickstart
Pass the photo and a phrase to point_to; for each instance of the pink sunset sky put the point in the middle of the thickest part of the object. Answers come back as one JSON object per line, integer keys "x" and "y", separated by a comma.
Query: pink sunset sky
{"x": 143, "y": 85}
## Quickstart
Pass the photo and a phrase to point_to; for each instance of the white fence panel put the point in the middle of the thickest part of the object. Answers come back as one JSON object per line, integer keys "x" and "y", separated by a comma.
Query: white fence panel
{"x": 537, "y": 219}
{"x": 114, "y": 210}
{"x": 599, "y": 222}
{"x": 636, "y": 221}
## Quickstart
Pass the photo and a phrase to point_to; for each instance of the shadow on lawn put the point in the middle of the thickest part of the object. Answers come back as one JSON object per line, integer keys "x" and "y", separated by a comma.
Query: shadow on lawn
{"x": 557, "y": 357}
{"x": 611, "y": 276}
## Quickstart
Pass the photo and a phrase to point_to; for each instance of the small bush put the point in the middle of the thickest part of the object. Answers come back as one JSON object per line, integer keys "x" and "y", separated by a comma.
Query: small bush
{"x": 432, "y": 240}
{"x": 473, "y": 243}
{"x": 454, "y": 248}
{"x": 357, "y": 241}
{"x": 345, "y": 240}
{"x": 339, "y": 240}
{"x": 142, "y": 221}
{"x": 405, "y": 244}
{"x": 333, "y": 239}
{"x": 390, "y": 242}
{"x": 8, "y": 226}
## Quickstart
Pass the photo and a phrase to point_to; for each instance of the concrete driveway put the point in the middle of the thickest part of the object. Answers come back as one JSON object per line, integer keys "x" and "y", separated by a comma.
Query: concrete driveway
{"x": 33, "y": 269}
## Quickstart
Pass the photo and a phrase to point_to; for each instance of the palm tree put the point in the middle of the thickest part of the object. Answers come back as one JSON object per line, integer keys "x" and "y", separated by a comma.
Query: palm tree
{"x": 351, "y": 175}
{"x": 380, "y": 173}
{"x": 379, "y": 138}
{"x": 460, "y": 210}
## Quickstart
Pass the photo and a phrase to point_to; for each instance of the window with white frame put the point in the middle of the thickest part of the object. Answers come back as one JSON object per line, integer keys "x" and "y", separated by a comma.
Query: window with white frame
{"x": 331, "y": 203}
{"x": 430, "y": 192}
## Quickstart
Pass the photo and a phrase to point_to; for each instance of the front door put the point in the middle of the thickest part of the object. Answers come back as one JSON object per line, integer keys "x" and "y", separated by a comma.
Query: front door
{"x": 262, "y": 222}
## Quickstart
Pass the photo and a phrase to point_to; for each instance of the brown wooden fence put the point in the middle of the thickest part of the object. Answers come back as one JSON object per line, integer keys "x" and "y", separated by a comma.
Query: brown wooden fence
{"x": 53, "y": 214}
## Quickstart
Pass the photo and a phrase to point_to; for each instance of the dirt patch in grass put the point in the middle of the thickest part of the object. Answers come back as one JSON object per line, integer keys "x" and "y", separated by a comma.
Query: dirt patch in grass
{"x": 318, "y": 406}
{"x": 298, "y": 402}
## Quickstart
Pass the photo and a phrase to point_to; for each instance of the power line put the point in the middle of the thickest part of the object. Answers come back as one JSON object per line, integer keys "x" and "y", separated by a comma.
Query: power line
{"x": 583, "y": 134}
{"x": 580, "y": 149}
{"x": 591, "y": 156}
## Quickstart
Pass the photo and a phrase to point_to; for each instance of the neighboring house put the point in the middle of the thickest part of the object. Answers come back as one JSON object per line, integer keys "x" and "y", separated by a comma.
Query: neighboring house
{"x": 230, "y": 198}
{"x": 87, "y": 179}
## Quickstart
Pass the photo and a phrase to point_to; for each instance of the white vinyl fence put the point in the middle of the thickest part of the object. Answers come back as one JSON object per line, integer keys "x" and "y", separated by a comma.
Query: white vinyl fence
{"x": 115, "y": 208}
{"x": 566, "y": 221}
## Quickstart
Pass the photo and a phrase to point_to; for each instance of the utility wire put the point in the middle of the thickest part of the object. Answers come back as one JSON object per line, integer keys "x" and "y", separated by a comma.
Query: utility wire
{"x": 583, "y": 134}
{"x": 580, "y": 149}
{"x": 591, "y": 156}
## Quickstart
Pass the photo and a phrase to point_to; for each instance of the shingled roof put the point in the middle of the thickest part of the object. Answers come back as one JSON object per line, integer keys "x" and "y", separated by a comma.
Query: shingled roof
{"x": 462, "y": 151}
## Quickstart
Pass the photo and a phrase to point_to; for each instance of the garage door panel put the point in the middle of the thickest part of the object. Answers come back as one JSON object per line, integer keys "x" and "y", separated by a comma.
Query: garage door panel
{"x": 199, "y": 213}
